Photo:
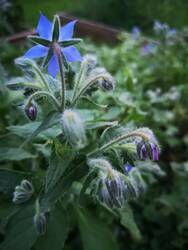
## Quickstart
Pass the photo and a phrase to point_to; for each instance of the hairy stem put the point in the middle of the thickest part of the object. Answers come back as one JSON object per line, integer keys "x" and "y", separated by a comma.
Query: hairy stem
{"x": 40, "y": 74}
{"x": 39, "y": 94}
{"x": 119, "y": 139}
{"x": 85, "y": 87}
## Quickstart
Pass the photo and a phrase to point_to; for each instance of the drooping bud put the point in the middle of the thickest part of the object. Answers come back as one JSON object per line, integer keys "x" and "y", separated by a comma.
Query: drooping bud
{"x": 39, "y": 221}
{"x": 112, "y": 187}
{"x": 154, "y": 152}
{"x": 31, "y": 112}
{"x": 73, "y": 129}
{"x": 148, "y": 147}
{"x": 106, "y": 82}
{"x": 103, "y": 79}
{"x": 148, "y": 150}
{"x": 23, "y": 192}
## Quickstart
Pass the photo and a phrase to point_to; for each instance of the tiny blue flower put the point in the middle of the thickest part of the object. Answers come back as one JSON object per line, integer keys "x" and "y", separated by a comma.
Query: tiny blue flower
{"x": 147, "y": 49}
{"x": 135, "y": 32}
{"x": 54, "y": 39}
{"x": 127, "y": 168}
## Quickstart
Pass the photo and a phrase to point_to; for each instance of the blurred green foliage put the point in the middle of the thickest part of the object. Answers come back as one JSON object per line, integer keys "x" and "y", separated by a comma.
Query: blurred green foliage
{"x": 120, "y": 13}
{"x": 152, "y": 90}
{"x": 152, "y": 87}
{"x": 11, "y": 17}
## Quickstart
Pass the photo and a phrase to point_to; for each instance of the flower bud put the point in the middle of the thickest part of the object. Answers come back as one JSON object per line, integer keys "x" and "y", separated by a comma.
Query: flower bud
{"x": 100, "y": 163}
{"x": 106, "y": 82}
{"x": 89, "y": 61}
{"x": 112, "y": 189}
{"x": 27, "y": 186}
{"x": 39, "y": 221}
{"x": 148, "y": 150}
{"x": 31, "y": 112}
{"x": 20, "y": 197}
{"x": 73, "y": 129}
{"x": 23, "y": 192}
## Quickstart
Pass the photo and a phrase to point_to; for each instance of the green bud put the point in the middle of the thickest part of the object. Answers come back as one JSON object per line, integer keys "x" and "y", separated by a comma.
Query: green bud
{"x": 73, "y": 129}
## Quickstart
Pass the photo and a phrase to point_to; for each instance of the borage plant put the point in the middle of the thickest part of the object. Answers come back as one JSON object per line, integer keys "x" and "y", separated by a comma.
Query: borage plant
{"x": 81, "y": 167}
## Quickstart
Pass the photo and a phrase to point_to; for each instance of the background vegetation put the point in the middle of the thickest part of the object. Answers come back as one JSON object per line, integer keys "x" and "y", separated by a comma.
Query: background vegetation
{"x": 152, "y": 87}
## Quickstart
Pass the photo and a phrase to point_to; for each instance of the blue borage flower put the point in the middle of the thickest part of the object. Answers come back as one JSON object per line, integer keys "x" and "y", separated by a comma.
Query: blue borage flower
{"x": 127, "y": 168}
{"x": 52, "y": 41}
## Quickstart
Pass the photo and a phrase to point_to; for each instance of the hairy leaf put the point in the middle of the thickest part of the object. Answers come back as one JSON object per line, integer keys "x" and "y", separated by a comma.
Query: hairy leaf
{"x": 95, "y": 234}
{"x": 58, "y": 165}
{"x": 127, "y": 220}
{"x": 14, "y": 154}
{"x": 20, "y": 233}
{"x": 57, "y": 230}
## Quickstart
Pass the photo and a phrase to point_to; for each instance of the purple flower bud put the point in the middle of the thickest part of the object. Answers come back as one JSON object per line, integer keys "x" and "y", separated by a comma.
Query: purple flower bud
{"x": 154, "y": 151}
{"x": 143, "y": 152}
{"x": 148, "y": 150}
{"x": 31, "y": 112}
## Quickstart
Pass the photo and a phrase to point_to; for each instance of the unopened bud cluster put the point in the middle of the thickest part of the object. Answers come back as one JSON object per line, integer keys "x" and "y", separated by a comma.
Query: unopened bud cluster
{"x": 148, "y": 148}
{"x": 104, "y": 79}
{"x": 23, "y": 192}
{"x": 113, "y": 188}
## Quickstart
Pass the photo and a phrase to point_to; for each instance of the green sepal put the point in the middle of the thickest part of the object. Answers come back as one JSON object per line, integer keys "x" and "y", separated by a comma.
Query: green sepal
{"x": 56, "y": 29}
{"x": 47, "y": 58}
{"x": 65, "y": 63}
{"x": 70, "y": 42}
{"x": 39, "y": 40}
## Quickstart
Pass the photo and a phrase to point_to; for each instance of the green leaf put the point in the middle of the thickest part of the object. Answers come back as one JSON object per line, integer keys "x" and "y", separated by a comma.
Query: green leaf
{"x": 50, "y": 120}
{"x": 20, "y": 232}
{"x": 28, "y": 129}
{"x": 57, "y": 231}
{"x": 9, "y": 179}
{"x": 100, "y": 124}
{"x": 58, "y": 165}
{"x": 14, "y": 154}
{"x": 39, "y": 40}
{"x": 127, "y": 220}
{"x": 72, "y": 173}
{"x": 95, "y": 234}
{"x": 88, "y": 179}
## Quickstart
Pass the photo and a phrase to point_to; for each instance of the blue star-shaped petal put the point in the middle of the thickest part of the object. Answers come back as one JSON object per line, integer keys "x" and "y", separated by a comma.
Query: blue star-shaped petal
{"x": 53, "y": 38}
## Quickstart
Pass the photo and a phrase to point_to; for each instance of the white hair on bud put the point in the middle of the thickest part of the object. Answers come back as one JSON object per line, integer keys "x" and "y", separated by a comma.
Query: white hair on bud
{"x": 73, "y": 129}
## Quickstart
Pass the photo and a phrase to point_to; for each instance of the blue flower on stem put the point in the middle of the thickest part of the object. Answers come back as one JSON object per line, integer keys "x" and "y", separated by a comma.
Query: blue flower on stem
{"x": 54, "y": 42}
